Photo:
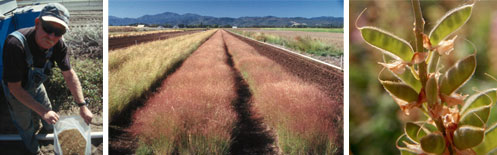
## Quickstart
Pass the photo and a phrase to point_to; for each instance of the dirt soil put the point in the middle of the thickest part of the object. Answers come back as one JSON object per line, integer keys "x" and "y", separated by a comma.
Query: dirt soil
{"x": 122, "y": 42}
{"x": 250, "y": 136}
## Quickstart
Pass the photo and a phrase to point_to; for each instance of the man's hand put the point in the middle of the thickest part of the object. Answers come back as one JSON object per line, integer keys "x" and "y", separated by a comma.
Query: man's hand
{"x": 50, "y": 117}
{"x": 85, "y": 114}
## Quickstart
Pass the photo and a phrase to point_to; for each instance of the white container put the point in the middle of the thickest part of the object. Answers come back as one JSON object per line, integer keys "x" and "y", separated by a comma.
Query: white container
{"x": 72, "y": 122}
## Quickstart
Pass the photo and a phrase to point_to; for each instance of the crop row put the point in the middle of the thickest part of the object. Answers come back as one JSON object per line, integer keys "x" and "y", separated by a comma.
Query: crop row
{"x": 133, "y": 70}
{"x": 138, "y": 33}
{"x": 192, "y": 113}
{"x": 304, "y": 118}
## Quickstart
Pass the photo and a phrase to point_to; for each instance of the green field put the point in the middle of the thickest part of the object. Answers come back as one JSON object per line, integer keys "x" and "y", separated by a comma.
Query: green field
{"x": 333, "y": 30}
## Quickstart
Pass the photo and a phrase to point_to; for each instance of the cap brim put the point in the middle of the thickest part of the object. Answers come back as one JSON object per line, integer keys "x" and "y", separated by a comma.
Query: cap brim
{"x": 55, "y": 19}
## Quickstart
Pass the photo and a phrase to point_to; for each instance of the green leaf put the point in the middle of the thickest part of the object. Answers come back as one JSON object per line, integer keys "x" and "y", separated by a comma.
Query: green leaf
{"x": 433, "y": 143}
{"x": 451, "y": 22}
{"x": 468, "y": 136}
{"x": 400, "y": 91}
{"x": 387, "y": 43}
{"x": 457, "y": 75}
{"x": 431, "y": 90}
{"x": 483, "y": 98}
{"x": 476, "y": 117}
{"x": 414, "y": 131}
{"x": 489, "y": 143}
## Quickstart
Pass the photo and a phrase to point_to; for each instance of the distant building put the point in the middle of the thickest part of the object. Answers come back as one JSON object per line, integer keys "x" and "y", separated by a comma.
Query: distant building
{"x": 234, "y": 27}
{"x": 175, "y": 27}
{"x": 140, "y": 26}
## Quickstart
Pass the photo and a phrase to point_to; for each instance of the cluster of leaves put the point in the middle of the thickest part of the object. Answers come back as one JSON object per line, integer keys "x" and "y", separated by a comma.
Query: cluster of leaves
{"x": 455, "y": 125}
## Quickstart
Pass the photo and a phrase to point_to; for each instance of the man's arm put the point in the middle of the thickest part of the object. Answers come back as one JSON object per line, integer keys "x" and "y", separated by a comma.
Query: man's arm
{"x": 74, "y": 86}
{"x": 25, "y": 98}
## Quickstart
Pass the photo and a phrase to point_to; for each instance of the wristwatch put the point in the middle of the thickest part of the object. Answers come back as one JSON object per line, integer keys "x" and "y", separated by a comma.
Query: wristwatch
{"x": 85, "y": 102}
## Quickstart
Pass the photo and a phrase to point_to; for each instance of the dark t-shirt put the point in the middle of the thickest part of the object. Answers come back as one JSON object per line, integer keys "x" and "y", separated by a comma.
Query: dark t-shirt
{"x": 15, "y": 67}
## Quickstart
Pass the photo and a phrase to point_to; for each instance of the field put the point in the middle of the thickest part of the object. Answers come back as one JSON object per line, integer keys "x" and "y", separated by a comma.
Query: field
{"x": 128, "y": 31}
{"x": 124, "y": 38}
{"x": 333, "y": 30}
{"x": 314, "y": 42}
{"x": 156, "y": 58}
{"x": 231, "y": 96}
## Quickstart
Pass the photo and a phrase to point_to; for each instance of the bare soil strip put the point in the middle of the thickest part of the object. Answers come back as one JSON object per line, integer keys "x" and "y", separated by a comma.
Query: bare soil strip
{"x": 250, "y": 136}
{"x": 122, "y": 42}
{"x": 304, "y": 68}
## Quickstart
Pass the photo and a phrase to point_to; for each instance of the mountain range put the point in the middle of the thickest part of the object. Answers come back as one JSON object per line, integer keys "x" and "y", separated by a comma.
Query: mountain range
{"x": 169, "y": 18}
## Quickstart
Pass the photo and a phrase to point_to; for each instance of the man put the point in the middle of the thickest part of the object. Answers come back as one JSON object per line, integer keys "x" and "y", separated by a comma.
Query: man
{"x": 28, "y": 56}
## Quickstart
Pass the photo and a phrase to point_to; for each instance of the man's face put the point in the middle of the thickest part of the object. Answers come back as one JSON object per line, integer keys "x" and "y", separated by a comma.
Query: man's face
{"x": 48, "y": 33}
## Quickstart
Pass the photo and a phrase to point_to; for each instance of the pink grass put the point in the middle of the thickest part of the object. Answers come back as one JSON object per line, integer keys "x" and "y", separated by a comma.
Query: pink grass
{"x": 289, "y": 105}
{"x": 192, "y": 110}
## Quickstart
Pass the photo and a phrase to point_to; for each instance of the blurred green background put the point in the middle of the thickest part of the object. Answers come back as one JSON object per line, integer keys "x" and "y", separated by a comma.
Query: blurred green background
{"x": 375, "y": 119}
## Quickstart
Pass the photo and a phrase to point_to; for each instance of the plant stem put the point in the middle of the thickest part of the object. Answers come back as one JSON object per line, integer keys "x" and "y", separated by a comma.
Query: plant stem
{"x": 418, "y": 32}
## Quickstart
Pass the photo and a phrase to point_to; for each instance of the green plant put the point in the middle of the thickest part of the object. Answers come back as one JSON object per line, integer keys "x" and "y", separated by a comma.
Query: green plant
{"x": 455, "y": 125}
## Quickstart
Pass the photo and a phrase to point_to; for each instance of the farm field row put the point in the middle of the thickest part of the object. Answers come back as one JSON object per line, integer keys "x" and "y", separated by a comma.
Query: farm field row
{"x": 228, "y": 98}
{"x": 125, "y": 41}
{"x": 134, "y": 70}
{"x": 324, "y": 46}
{"x": 138, "y": 33}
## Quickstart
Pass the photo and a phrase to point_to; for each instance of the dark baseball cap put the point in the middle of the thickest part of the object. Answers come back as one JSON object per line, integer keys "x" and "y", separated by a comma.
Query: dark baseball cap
{"x": 55, "y": 12}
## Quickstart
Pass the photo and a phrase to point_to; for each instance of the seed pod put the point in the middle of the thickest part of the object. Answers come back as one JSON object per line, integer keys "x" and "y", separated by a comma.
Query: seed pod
{"x": 468, "y": 136}
{"x": 489, "y": 142}
{"x": 483, "y": 98}
{"x": 407, "y": 77}
{"x": 457, "y": 75}
{"x": 400, "y": 91}
{"x": 414, "y": 131}
{"x": 387, "y": 43}
{"x": 476, "y": 117}
{"x": 448, "y": 24}
{"x": 431, "y": 90}
{"x": 433, "y": 143}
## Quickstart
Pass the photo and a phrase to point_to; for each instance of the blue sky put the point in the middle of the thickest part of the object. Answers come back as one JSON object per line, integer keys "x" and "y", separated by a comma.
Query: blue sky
{"x": 225, "y": 8}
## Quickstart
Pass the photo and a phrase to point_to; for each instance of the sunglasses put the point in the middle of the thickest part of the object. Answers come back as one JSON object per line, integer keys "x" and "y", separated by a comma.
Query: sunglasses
{"x": 51, "y": 29}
